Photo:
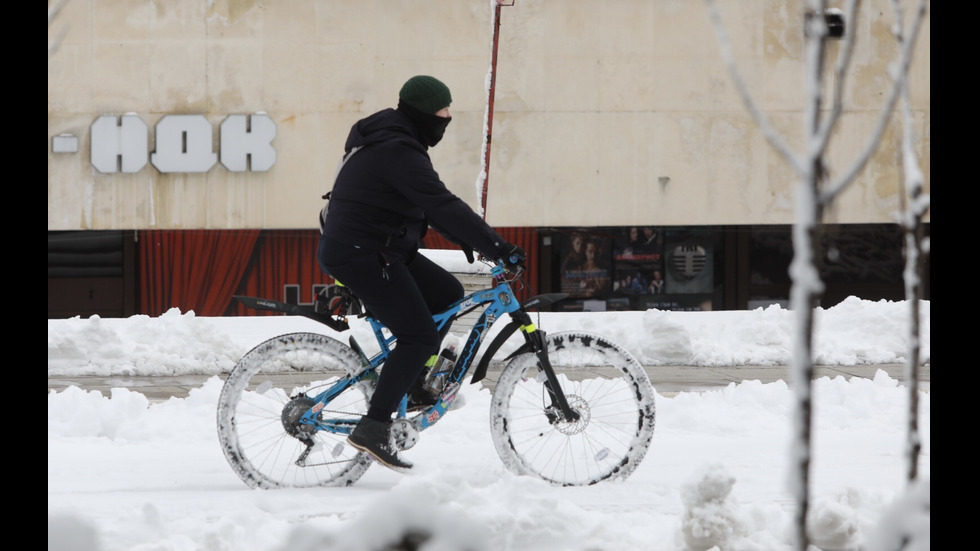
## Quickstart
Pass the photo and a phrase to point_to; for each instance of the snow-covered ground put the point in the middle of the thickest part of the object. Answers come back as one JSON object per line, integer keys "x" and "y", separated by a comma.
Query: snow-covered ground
{"x": 128, "y": 475}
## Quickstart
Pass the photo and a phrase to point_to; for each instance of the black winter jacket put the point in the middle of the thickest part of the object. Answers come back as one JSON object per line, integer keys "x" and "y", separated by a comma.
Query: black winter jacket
{"x": 388, "y": 194}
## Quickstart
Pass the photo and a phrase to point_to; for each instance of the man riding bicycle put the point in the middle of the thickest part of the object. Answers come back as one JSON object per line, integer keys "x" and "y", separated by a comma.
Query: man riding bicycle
{"x": 385, "y": 197}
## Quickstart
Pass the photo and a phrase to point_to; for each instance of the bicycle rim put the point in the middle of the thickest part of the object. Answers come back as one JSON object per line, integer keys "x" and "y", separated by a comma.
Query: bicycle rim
{"x": 603, "y": 383}
{"x": 265, "y": 393}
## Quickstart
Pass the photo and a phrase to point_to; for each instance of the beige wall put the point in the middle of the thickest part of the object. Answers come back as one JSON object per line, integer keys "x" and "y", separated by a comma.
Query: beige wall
{"x": 611, "y": 112}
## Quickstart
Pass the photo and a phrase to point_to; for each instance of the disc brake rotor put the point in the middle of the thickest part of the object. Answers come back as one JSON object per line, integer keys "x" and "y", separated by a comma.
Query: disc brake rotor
{"x": 578, "y": 405}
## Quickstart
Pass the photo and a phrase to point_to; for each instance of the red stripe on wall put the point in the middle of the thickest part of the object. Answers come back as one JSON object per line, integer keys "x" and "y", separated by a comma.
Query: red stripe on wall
{"x": 201, "y": 270}
{"x": 191, "y": 269}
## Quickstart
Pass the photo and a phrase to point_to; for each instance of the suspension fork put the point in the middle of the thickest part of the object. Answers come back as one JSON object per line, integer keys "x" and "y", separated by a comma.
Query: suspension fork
{"x": 539, "y": 345}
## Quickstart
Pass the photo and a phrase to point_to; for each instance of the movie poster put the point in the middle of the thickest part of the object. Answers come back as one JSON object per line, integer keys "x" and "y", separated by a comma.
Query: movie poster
{"x": 688, "y": 270}
{"x": 639, "y": 268}
{"x": 585, "y": 264}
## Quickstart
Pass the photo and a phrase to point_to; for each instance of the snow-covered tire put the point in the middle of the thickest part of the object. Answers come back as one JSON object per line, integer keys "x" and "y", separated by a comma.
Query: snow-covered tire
{"x": 604, "y": 383}
{"x": 252, "y": 407}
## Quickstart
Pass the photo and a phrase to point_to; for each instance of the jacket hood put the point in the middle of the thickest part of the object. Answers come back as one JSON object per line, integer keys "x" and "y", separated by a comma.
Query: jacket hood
{"x": 385, "y": 125}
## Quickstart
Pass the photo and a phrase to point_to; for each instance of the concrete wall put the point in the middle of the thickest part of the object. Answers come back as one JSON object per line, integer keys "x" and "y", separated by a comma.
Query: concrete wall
{"x": 612, "y": 112}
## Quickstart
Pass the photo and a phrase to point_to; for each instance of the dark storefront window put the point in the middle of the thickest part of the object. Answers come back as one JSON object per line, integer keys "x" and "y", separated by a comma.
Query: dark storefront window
{"x": 638, "y": 268}
{"x": 91, "y": 273}
{"x": 862, "y": 260}
{"x": 716, "y": 267}
{"x": 770, "y": 251}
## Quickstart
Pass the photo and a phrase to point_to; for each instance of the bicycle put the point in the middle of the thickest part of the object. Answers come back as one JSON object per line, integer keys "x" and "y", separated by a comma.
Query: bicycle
{"x": 572, "y": 408}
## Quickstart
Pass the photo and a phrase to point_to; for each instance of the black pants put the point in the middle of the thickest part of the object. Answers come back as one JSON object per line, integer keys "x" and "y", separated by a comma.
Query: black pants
{"x": 403, "y": 296}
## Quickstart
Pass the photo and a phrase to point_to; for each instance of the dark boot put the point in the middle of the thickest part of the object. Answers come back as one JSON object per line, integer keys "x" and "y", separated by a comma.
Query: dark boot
{"x": 374, "y": 438}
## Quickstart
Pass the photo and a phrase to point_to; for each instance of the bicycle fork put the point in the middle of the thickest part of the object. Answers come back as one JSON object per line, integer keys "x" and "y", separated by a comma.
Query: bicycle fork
{"x": 536, "y": 338}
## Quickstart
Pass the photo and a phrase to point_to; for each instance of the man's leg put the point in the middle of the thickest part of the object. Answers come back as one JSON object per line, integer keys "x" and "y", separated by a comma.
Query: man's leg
{"x": 392, "y": 296}
{"x": 440, "y": 288}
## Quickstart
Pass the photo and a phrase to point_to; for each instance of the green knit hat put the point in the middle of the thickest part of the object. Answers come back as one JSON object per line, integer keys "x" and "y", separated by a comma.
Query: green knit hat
{"x": 425, "y": 93}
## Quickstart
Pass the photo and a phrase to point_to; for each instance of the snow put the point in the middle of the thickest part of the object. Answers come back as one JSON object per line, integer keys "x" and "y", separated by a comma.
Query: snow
{"x": 128, "y": 474}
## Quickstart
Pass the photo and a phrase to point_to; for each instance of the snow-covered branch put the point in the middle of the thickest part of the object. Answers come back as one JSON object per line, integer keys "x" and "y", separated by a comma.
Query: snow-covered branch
{"x": 812, "y": 172}
{"x": 900, "y": 75}
{"x": 840, "y": 73}
{"x": 774, "y": 139}
{"x": 916, "y": 204}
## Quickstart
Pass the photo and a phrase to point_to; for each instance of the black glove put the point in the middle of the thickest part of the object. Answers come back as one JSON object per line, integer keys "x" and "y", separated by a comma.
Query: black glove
{"x": 511, "y": 256}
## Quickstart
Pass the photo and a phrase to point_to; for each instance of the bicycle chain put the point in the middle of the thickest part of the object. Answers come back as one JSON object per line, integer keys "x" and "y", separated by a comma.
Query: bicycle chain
{"x": 299, "y": 462}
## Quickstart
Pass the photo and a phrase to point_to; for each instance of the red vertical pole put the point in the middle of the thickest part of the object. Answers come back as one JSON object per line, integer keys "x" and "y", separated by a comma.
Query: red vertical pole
{"x": 493, "y": 82}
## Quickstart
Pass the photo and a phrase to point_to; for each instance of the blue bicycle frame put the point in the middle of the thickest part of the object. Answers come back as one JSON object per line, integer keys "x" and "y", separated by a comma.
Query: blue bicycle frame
{"x": 499, "y": 300}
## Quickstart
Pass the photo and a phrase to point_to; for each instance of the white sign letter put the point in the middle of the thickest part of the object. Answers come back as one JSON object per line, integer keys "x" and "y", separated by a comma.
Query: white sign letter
{"x": 184, "y": 144}
{"x": 128, "y": 140}
{"x": 238, "y": 143}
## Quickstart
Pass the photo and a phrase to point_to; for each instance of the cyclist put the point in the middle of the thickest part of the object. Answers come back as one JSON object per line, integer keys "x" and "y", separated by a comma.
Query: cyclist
{"x": 385, "y": 197}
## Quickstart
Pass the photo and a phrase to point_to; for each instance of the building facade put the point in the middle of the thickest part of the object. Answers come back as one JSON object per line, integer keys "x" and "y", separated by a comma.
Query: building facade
{"x": 202, "y": 120}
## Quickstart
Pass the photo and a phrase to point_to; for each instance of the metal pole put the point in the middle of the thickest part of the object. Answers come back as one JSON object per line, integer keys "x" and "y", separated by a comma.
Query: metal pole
{"x": 493, "y": 83}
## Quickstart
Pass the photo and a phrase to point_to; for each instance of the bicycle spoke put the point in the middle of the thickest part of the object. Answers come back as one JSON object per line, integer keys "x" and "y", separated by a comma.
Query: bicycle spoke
{"x": 603, "y": 384}
{"x": 263, "y": 399}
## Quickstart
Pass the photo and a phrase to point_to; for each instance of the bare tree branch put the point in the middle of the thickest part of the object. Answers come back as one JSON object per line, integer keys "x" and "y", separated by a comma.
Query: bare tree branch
{"x": 840, "y": 72}
{"x": 915, "y": 204}
{"x": 774, "y": 139}
{"x": 900, "y": 75}
{"x": 812, "y": 174}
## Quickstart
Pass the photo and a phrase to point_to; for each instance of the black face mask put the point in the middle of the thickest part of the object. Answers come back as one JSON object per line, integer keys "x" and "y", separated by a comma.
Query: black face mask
{"x": 430, "y": 127}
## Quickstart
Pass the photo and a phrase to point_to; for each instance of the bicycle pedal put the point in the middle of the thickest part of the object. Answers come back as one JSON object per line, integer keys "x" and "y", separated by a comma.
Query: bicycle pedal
{"x": 403, "y": 433}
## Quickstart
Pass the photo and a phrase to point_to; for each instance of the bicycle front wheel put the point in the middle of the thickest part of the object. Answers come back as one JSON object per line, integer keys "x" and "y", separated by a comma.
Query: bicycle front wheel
{"x": 265, "y": 395}
{"x": 604, "y": 385}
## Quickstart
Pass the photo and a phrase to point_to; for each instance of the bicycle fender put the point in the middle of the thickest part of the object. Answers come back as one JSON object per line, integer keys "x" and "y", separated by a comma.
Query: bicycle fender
{"x": 339, "y": 325}
{"x": 543, "y": 300}
{"x": 498, "y": 341}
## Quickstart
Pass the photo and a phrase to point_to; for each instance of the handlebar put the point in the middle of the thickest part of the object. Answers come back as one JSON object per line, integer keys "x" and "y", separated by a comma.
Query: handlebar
{"x": 500, "y": 269}
{"x": 515, "y": 260}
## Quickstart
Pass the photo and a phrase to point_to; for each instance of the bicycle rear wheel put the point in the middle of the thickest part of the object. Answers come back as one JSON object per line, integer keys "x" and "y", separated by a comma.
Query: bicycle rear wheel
{"x": 603, "y": 383}
{"x": 266, "y": 393}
